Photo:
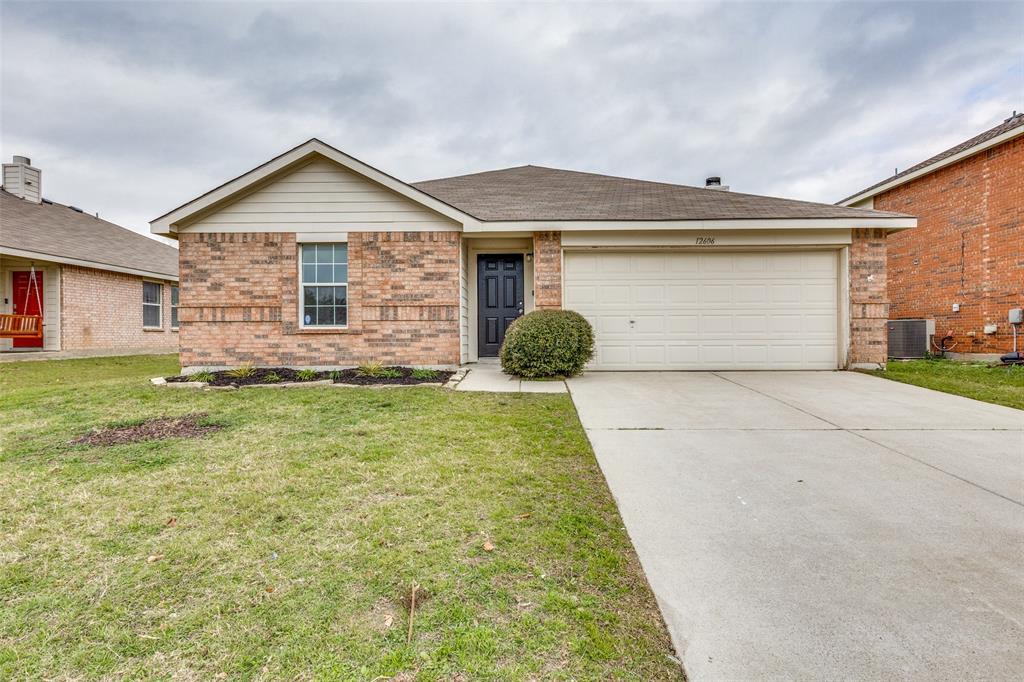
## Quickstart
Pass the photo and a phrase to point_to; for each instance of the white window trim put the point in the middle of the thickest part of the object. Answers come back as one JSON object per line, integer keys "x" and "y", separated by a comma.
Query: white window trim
{"x": 173, "y": 308}
{"x": 303, "y": 285}
{"x": 159, "y": 304}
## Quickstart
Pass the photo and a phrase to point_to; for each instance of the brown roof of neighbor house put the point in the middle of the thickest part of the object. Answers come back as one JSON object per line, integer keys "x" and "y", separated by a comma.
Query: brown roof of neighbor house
{"x": 539, "y": 193}
{"x": 1015, "y": 121}
{"x": 51, "y": 229}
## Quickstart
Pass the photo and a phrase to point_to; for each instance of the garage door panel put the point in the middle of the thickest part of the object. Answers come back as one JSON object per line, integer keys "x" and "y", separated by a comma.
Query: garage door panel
{"x": 677, "y": 310}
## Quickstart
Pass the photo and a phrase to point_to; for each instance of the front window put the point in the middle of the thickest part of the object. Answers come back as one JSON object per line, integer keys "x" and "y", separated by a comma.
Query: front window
{"x": 174, "y": 307}
{"x": 152, "y": 293}
{"x": 324, "y": 285}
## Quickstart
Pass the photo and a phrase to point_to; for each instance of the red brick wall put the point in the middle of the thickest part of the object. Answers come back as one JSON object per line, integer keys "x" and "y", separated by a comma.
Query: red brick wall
{"x": 103, "y": 310}
{"x": 968, "y": 247}
{"x": 240, "y": 301}
{"x": 547, "y": 269}
{"x": 868, "y": 306}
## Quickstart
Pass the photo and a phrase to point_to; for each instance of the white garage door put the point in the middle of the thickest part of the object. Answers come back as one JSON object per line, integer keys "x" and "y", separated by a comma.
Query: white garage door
{"x": 704, "y": 311}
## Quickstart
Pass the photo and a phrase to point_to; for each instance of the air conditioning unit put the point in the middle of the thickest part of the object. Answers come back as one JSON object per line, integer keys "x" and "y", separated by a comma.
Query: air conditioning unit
{"x": 910, "y": 338}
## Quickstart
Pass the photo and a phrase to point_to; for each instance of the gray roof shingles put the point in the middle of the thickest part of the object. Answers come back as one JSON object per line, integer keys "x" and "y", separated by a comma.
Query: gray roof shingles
{"x": 1013, "y": 122}
{"x": 57, "y": 230}
{"x": 536, "y": 193}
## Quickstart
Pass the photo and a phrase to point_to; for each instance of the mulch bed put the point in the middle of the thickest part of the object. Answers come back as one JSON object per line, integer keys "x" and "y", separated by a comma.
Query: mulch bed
{"x": 189, "y": 426}
{"x": 403, "y": 375}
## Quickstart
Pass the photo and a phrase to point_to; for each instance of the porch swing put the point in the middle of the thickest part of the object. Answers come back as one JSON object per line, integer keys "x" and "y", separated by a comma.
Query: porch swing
{"x": 24, "y": 326}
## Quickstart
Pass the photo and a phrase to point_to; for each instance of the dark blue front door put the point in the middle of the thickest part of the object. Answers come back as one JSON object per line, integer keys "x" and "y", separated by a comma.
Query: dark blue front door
{"x": 499, "y": 282}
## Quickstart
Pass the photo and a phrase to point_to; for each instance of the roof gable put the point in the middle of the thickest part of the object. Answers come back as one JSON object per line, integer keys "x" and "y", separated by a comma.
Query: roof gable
{"x": 283, "y": 165}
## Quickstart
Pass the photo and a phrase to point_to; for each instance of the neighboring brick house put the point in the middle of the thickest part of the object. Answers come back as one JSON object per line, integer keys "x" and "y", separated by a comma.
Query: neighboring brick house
{"x": 99, "y": 287}
{"x": 317, "y": 259}
{"x": 964, "y": 265}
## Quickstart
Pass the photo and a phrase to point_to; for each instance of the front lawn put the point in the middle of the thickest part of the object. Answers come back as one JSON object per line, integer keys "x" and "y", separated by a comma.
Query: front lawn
{"x": 286, "y": 544}
{"x": 999, "y": 385}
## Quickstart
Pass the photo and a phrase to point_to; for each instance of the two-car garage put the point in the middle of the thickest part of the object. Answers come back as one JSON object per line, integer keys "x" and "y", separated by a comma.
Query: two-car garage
{"x": 708, "y": 310}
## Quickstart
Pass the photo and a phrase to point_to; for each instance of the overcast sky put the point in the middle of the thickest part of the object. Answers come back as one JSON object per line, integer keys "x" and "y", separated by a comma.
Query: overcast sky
{"x": 131, "y": 109}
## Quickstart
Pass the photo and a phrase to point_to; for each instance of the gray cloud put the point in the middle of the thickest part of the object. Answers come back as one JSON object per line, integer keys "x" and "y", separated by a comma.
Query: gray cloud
{"x": 134, "y": 108}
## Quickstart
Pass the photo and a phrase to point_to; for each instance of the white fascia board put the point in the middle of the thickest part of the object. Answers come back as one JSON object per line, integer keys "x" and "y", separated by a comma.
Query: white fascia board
{"x": 890, "y": 224}
{"x": 36, "y": 255}
{"x": 949, "y": 160}
{"x": 168, "y": 224}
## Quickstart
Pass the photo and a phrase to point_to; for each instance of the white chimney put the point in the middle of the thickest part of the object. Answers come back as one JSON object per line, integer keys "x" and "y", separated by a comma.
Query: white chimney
{"x": 22, "y": 180}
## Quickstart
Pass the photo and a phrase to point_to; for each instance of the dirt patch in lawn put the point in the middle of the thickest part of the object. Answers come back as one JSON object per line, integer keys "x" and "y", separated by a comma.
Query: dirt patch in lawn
{"x": 160, "y": 428}
{"x": 277, "y": 375}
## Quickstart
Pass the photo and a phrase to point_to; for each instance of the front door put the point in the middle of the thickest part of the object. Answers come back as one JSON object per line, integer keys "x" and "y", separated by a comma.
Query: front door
{"x": 500, "y": 298}
{"x": 28, "y": 300}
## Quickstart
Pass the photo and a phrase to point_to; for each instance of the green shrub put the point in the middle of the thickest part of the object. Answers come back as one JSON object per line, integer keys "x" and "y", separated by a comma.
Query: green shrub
{"x": 390, "y": 373}
{"x": 547, "y": 343}
{"x": 243, "y": 371}
{"x": 306, "y": 374}
{"x": 423, "y": 374}
{"x": 371, "y": 369}
{"x": 203, "y": 376}
{"x": 271, "y": 378}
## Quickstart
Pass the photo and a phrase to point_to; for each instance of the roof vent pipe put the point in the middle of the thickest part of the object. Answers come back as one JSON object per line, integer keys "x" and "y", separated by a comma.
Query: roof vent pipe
{"x": 715, "y": 182}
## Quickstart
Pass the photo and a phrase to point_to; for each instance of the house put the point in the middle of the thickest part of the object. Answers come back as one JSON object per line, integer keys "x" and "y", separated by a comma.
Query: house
{"x": 318, "y": 259}
{"x": 99, "y": 287}
{"x": 964, "y": 265}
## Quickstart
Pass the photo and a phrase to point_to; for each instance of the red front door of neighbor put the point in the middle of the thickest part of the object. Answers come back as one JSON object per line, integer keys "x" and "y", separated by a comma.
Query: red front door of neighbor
{"x": 28, "y": 300}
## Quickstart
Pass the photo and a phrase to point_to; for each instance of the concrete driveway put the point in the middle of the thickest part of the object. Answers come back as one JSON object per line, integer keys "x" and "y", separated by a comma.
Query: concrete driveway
{"x": 819, "y": 525}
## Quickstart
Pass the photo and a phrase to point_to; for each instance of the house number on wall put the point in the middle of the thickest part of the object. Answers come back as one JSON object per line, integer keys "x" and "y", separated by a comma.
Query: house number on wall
{"x": 705, "y": 241}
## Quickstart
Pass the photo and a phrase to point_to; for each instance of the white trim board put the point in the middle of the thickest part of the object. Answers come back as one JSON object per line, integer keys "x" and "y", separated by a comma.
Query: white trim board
{"x": 887, "y": 223}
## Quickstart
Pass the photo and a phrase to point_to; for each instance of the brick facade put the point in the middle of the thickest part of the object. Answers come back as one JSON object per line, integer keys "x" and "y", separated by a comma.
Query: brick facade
{"x": 968, "y": 247}
{"x": 547, "y": 269}
{"x": 868, "y": 303}
{"x": 240, "y": 301}
{"x": 101, "y": 310}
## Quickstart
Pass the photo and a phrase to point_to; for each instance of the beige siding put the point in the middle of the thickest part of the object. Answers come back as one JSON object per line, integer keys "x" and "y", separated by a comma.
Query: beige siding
{"x": 322, "y": 196}
{"x": 51, "y": 297}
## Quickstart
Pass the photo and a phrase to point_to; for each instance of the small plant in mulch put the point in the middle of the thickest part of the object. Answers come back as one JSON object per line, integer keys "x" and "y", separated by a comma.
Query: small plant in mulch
{"x": 160, "y": 428}
{"x": 371, "y": 374}
{"x": 243, "y": 371}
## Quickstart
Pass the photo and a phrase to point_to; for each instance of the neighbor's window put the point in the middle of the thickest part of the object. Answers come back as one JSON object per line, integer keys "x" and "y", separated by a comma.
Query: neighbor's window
{"x": 152, "y": 293}
{"x": 324, "y": 285}
{"x": 174, "y": 307}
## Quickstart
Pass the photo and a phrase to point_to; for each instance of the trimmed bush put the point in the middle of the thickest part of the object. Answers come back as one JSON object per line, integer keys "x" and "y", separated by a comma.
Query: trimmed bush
{"x": 547, "y": 343}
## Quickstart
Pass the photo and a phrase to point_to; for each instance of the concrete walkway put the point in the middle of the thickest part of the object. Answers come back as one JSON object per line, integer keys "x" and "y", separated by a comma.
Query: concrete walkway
{"x": 487, "y": 376}
{"x": 819, "y": 525}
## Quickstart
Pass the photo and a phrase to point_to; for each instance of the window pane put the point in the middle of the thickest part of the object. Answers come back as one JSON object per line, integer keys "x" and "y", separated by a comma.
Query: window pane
{"x": 174, "y": 295}
{"x": 326, "y": 315}
{"x": 309, "y": 296}
{"x": 325, "y": 295}
{"x": 324, "y": 253}
{"x": 340, "y": 273}
{"x": 341, "y": 253}
{"x": 341, "y": 315}
{"x": 308, "y": 273}
{"x": 150, "y": 292}
{"x": 309, "y": 315}
{"x": 323, "y": 274}
{"x": 151, "y": 316}
{"x": 341, "y": 295}
{"x": 308, "y": 253}
{"x": 174, "y": 317}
